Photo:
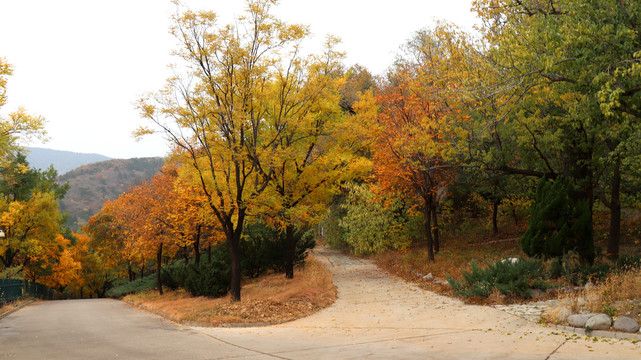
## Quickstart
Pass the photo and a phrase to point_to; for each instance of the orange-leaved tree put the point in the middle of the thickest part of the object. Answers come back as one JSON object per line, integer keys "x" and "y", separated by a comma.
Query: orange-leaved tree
{"x": 417, "y": 107}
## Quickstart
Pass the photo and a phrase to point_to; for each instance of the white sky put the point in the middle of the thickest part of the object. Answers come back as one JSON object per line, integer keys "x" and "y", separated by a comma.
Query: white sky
{"x": 83, "y": 63}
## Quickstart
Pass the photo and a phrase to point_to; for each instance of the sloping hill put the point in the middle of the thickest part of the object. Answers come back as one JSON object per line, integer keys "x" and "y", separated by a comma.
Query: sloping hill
{"x": 93, "y": 184}
{"x": 62, "y": 161}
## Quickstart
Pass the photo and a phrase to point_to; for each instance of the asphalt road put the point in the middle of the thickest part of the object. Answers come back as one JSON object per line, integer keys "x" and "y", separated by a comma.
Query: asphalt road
{"x": 376, "y": 316}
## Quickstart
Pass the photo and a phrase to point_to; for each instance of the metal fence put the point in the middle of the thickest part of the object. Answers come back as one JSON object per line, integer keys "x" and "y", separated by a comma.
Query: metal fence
{"x": 11, "y": 290}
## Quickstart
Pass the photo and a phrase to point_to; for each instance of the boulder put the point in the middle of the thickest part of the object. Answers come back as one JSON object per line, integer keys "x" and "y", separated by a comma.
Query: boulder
{"x": 626, "y": 324}
{"x": 536, "y": 293}
{"x": 599, "y": 322}
{"x": 578, "y": 320}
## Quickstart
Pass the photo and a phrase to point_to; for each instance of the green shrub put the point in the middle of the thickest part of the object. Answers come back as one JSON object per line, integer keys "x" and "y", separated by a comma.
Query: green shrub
{"x": 557, "y": 224}
{"x": 507, "y": 277}
{"x": 208, "y": 279}
{"x": 578, "y": 273}
{"x": 148, "y": 282}
{"x": 173, "y": 276}
{"x": 263, "y": 248}
{"x": 369, "y": 226}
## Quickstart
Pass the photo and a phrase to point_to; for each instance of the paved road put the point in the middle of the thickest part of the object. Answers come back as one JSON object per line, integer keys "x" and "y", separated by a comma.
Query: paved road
{"x": 375, "y": 317}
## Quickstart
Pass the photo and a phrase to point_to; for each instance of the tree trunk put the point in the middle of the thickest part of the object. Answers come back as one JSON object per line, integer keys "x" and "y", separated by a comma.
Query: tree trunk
{"x": 197, "y": 245}
{"x": 132, "y": 275}
{"x": 495, "y": 212}
{"x": 428, "y": 229}
{"x": 234, "y": 254}
{"x": 158, "y": 267}
{"x": 514, "y": 214}
{"x": 290, "y": 249}
{"x": 437, "y": 243}
{"x": 615, "y": 212}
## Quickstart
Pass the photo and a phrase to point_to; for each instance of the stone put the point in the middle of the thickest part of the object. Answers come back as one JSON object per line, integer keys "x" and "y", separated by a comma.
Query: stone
{"x": 599, "y": 322}
{"x": 626, "y": 324}
{"x": 536, "y": 293}
{"x": 578, "y": 320}
{"x": 510, "y": 260}
{"x": 428, "y": 277}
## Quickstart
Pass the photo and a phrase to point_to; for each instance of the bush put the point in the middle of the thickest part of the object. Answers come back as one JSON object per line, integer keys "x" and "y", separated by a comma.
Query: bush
{"x": 263, "y": 248}
{"x": 369, "y": 226}
{"x": 208, "y": 279}
{"x": 557, "y": 224}
{"x": 173, "y": 276}
{"x": 148, "y": 282}
{"x": 507, "y": 277}
{"x": 578, "y": 273}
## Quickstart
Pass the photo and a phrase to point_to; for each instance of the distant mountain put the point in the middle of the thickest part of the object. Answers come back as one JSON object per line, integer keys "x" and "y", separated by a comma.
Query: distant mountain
{"x": 93, "y": 184}
{"x": 62, "y": 161}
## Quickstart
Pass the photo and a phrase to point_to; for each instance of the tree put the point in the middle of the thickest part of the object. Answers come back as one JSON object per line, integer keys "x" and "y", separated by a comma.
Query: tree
{"x": 218, "y": 116}
{"x": 317, "y": 150}
{"x": 560, "y": 61}
{"x": 29, "y": 213}
{"x": 18, "y": 125}
{"x": 415, "y": 117}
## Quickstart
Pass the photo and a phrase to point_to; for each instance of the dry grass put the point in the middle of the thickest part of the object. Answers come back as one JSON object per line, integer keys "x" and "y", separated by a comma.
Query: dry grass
{"x": 12, "y": 305}
{"x": 618, "y": 295}
{"x": 268, "y": 299}
{"x": 458, "y": 249}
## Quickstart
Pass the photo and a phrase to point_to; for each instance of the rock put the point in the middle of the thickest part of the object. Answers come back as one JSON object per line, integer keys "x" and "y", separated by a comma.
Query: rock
{"x": 626, "y": 324}
{"x": 428, "y": 277}
{"x": 599, "y": 322}
{"x": 578, "y": 320}
{"x": 536, "y": 293}
{"x": 442, "y": 282}
{"x": 510, "y": 260}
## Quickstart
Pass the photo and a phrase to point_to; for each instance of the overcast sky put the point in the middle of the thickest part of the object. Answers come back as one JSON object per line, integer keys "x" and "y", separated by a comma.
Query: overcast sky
{"x": 83, "y": 63}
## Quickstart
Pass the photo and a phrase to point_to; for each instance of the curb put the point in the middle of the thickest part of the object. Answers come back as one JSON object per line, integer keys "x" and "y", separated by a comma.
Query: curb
{"x": 600, "y": 333}
{"x": 3, "y": 315}
{"x": 193, "y": 323}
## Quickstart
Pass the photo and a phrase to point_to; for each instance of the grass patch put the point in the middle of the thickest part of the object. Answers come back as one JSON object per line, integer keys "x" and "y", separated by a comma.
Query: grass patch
{"x": 14, "y": 304}
{"x": 618, "y": 295}
{"x": 266, "y": 299}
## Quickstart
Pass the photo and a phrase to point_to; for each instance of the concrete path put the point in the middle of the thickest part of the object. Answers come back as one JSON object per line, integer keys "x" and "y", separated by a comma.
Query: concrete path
{"x": 378, "y": 316}
{"x": 375, "y": 317}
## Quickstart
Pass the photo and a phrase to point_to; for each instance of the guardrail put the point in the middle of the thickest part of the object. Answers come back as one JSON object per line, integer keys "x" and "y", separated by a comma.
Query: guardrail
{"x": 12, "y": 289}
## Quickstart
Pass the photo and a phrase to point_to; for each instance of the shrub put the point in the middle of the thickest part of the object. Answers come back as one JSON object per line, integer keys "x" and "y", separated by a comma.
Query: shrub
{"x": 263, "y": 248}
{"x": 505, "y": 276}
{"x": 370, "y": 227}
{"x": 148, "y": 282}
{"x": 557, "y": 224}
{"x": 173, "y": 276}
{"x": 208, "y": 279}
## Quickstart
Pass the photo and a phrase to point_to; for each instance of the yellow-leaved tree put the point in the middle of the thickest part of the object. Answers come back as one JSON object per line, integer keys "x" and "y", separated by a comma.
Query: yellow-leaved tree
{"x": 244, "y": 87}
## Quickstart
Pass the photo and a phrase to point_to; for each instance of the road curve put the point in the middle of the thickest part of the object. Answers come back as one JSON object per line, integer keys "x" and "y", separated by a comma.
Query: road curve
{"x": 376, "y": 316}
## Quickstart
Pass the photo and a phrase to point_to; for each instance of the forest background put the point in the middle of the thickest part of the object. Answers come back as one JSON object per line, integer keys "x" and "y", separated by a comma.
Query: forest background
{"x": 535, "y": 118}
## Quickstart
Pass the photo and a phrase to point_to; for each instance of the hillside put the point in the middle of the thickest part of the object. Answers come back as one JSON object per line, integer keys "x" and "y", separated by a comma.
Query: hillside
{"x": 93, "y": 184}
{"x": 62, "y": 161}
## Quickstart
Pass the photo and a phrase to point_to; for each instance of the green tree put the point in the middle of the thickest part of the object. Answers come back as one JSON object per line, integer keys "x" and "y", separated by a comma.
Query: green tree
{"x": 567, "y": 75}
{"x": 558, "y": 224}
